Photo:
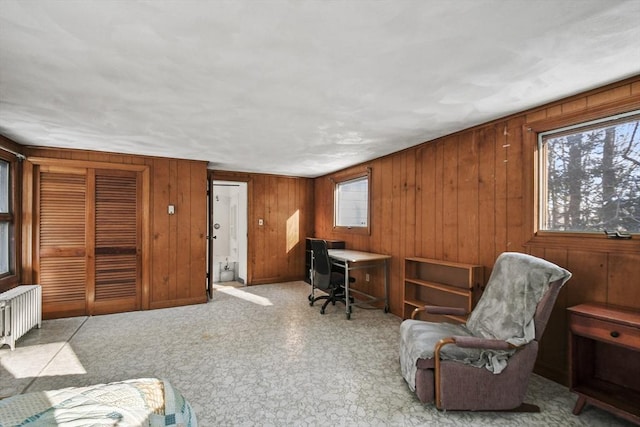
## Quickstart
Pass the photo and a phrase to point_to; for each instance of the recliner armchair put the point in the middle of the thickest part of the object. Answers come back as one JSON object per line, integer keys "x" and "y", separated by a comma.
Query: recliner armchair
{"x": 485, "y": 364}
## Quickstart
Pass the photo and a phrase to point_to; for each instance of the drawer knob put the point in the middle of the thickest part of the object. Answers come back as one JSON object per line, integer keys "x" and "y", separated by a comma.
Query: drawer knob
{"x": 615, "y": 334}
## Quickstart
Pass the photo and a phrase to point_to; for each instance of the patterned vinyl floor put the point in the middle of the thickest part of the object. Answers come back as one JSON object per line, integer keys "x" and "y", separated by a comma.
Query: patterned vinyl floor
{"x": 261, "y": 356}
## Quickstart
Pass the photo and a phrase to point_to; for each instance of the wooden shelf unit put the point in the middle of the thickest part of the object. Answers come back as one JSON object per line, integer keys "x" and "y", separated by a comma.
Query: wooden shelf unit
{"x": 436, "y": 282}
{"x": 604, "y": 348}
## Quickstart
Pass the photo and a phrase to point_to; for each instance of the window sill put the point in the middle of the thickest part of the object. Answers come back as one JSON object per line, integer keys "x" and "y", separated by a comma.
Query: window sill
{"x": 8, "y": 282}
{"x": 590, "y": 242}
{"x": 352, "y": 230}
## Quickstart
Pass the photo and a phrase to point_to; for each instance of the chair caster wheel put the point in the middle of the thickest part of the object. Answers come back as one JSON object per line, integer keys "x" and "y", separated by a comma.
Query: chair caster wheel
{"x": 311, "y": 303}
{"x": 322, "y": 311}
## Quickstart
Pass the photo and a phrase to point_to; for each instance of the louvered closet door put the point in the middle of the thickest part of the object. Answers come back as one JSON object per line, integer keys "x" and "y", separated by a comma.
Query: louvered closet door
{"x": 62, "y": 269}
{"x": 89, "y": 241}
{"x": 117, "y": 242}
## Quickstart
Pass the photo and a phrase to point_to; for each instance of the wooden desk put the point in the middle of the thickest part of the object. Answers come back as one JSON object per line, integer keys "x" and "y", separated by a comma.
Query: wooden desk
{"x": 604, "y": 348}
{"x": 351, "y": 260}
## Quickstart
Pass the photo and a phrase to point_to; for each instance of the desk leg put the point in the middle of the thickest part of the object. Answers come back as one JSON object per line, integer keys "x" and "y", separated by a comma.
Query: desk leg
{"x": 386, "y": 287}
{"x": 312, "y": 270}
{"x": 346, "y": 290}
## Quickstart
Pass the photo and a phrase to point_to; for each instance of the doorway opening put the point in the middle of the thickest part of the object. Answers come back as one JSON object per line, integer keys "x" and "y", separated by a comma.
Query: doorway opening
{"x": 228, "y": 233}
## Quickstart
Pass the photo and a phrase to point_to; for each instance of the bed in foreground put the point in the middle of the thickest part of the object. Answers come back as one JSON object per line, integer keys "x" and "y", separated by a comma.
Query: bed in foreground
{"x": 137, "y": 402}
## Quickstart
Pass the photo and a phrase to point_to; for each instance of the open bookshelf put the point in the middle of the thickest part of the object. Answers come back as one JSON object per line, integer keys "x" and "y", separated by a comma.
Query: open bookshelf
{"x": 443, "y": 283}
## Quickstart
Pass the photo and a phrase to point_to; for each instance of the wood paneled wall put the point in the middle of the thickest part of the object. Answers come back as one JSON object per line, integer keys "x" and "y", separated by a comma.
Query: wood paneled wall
{"x": 469, "y": 196}
{"x": 176, "y": 255}
{"x": 285, "y": 204}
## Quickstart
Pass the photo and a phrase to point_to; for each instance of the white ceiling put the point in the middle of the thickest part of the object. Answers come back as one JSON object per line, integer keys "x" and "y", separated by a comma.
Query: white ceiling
{"x": 294, "y": 87}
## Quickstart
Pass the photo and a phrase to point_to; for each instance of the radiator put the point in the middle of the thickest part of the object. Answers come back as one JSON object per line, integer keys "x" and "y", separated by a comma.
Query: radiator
{"x": 20, "y": 310}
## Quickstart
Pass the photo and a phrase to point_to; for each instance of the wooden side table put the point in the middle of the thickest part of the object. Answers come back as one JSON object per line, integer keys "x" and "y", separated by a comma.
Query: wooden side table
{"x": 604, "y": 348}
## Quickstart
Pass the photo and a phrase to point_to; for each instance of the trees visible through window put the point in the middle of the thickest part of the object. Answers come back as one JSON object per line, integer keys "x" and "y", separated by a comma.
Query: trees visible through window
{"x": 590, "y": 176}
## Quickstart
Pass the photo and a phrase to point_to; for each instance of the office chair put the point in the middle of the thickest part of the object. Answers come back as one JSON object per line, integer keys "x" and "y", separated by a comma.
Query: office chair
{"x": 324, "y": 278}
{"x": 485, "y": 364}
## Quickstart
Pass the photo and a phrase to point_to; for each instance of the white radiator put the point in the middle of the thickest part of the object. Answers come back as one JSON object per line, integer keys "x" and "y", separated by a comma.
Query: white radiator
{"x": 20, "y": 310}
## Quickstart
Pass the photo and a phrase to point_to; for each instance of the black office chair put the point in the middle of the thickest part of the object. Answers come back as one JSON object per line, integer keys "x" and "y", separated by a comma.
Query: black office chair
{"x": 324, "y": 278}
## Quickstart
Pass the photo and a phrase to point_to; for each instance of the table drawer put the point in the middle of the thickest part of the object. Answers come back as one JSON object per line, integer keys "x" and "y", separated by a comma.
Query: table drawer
{"x": 610, "y": 332}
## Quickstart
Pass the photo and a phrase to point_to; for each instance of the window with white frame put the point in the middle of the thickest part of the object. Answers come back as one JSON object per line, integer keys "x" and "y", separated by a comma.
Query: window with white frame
{"x": 590, "y": 176}
{"x": 351, "y": 203}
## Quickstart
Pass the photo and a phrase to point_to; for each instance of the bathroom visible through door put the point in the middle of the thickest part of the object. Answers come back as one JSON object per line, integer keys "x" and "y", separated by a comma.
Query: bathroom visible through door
{"x": 229, "y": 232}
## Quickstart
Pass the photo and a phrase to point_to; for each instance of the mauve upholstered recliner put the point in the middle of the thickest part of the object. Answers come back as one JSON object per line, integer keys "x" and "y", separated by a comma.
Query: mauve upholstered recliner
{"x": 485, "y": 364}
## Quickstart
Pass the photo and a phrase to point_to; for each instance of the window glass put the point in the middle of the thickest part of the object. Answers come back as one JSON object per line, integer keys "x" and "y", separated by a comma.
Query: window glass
{"x": 4, "y": 187}
{"x": 4, "y": 245}
{"x": 4, "y": 217}
{"x": 590, "y": 180}
{"x": 352, "y": 203}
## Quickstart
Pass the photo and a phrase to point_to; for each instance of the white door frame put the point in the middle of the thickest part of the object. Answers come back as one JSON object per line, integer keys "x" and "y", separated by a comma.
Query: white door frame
{"x": 243, "y": 210}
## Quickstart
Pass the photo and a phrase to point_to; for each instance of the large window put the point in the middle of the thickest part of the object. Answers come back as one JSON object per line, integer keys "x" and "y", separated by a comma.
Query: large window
{"x": 351, "y": 203}
{"x": 6, "y": 219}
{"x": 590, "y": 176}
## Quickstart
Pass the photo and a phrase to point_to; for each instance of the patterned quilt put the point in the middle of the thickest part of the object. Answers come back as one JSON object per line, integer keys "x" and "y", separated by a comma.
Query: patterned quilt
{"x": 137, "y": 402}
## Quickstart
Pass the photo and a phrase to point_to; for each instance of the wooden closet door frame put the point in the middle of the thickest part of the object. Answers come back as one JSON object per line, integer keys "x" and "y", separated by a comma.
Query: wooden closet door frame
{"x": 31, "y": 206}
